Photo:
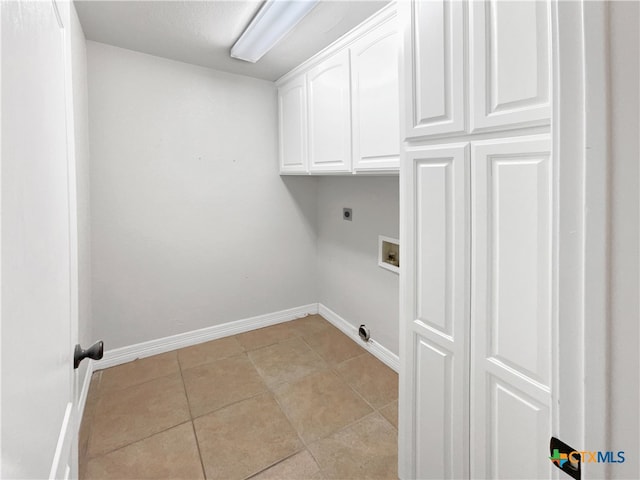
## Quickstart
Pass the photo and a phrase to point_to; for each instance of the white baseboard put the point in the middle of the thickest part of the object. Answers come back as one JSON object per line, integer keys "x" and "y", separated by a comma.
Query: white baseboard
{"x": 382, "y": 353}
{"x": 121, "y": 355}
{"x": 153, "y": 347}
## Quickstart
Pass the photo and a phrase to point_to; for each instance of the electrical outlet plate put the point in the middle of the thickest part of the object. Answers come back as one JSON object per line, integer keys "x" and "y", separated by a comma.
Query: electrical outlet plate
{"x": 347, "y": 214}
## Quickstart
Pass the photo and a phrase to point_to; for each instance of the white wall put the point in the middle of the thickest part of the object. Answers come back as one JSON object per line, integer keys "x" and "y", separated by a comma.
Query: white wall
{"x": 350, "y": 282}
{"x": 191, "y": 225}
{"x": 624, "y": 23}
{"x": 81, "y": 136}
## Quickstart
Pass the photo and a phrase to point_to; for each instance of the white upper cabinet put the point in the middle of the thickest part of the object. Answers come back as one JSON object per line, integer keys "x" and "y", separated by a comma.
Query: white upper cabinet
{"x": 434, "y": 67}
{"x": 292, "y": 111}
{"x": 509, "y": 64}
{"x": 375, "y": 99}
{"x": 339, "y": 111}
{"x": 330, "y": 115}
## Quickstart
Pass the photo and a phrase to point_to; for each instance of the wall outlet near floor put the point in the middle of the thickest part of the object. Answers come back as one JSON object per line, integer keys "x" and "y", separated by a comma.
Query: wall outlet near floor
{"x": 347, "y": 214}
{"x": 364, "y": 332}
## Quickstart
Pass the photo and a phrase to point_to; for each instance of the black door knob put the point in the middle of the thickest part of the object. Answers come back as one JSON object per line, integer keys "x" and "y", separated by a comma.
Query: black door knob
{"x": 95, "y": 352}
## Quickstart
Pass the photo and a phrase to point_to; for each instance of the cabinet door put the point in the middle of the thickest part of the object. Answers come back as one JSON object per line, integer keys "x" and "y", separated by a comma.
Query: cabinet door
{"x": 433, "y": 67}
{"x": 375, "y": 99}
{"x": 509, "y": 63}
{"x": 330, "y": 115}
{"x": 434, "y": 394}
{"x": 292, "y": 115}
{"x": 512, "y": 381}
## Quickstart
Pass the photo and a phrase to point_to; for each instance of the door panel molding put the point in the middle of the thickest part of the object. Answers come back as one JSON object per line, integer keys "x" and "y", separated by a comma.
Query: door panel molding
{"x": 509, "y": 449}
{"x": 435, "y": 311}
{"x": 514, "y": 239}
{"x": 374, "y": 99}
{"x": 434, "y": 68}
{"x": 510, "y": 60}
{"x": 329, "y": 107}
{"x": 292, "y": 115}
{"x": 434, "y": 416}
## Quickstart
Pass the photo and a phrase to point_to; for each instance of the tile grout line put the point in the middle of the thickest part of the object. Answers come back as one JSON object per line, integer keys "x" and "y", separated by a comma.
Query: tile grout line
{"x": 300, "y": 337}
{"x": 284, "y": 412}
{"x": 329, "y": 365}
{"x": 275, "y": 397}
{"x": 375, "y": 410}
{"x": 266, "y": 390}
{"x": 193, "y": 427}
{"x": 195, "y": 436}
{"x": 138, "y": 440}
{"x": 353, "y": 389}
{"x": 209, "y": 362}
{"x": 358, "y": 394}
{"x": 184, "y": 389}
{"x": 190, "y": 419}
{"x": 325, "y": 366}
{"x": 91, "y": 457}
{"x": 112, "y": 390}
{"x": 269, "y": 391}
{"x": 304, "y": 443}
{"x": 333, "y": 369}
{"x": 278, "y": 462}
{"x": 340, "y": 430}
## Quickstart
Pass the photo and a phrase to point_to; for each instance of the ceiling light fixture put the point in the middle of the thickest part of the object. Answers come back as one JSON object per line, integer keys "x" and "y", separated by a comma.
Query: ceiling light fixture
{"x": 275, "y": 19}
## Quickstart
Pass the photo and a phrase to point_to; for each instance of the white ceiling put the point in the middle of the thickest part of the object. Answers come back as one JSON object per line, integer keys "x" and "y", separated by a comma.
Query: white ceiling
{"x": 202, "y": 32}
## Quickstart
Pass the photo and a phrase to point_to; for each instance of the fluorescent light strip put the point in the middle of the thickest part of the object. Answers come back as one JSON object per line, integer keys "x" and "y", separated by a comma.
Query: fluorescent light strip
{"x": 275, "y": 19}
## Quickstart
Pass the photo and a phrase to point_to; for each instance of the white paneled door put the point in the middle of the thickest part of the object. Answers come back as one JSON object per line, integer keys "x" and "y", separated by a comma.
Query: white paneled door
{"x": 436, "y": 299}
{"x": 38, "y": 421}
{"x": 512, "y": 319}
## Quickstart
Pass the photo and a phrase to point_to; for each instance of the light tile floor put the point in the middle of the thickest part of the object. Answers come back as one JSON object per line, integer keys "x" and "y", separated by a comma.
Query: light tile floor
{"x": 298, "y": 400}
